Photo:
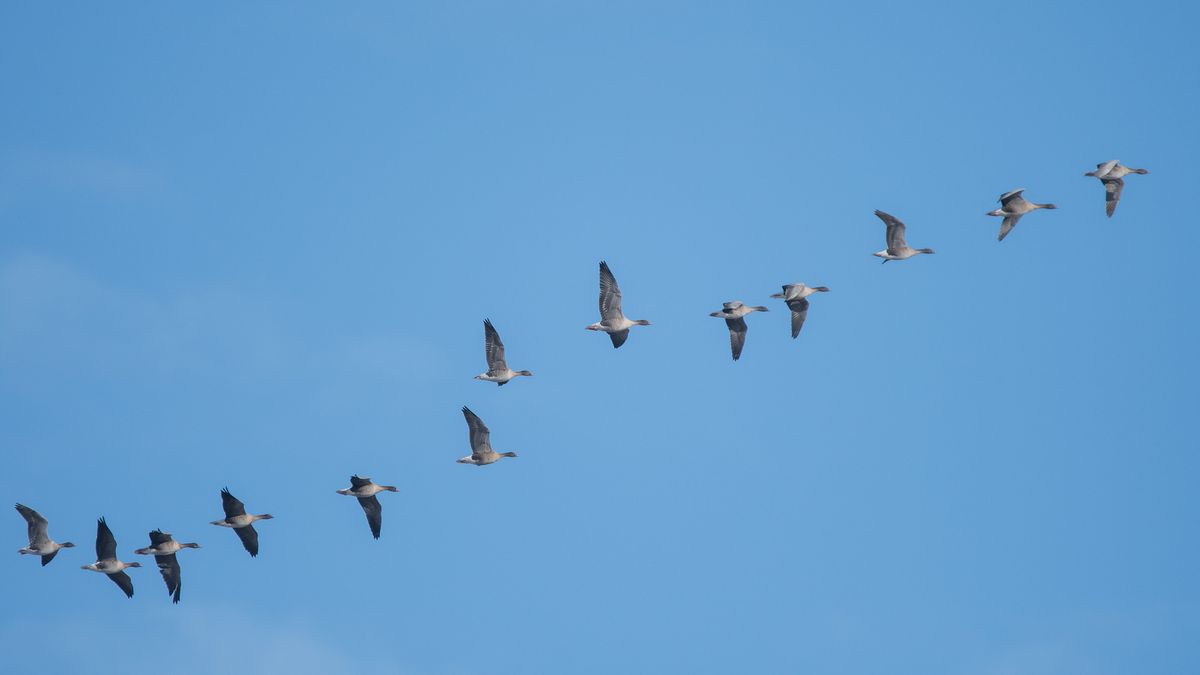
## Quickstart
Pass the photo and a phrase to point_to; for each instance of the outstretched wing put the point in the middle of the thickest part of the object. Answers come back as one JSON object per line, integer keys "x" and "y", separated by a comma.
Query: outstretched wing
{"x": 123, "y": 581}
{"x": 1008, "y": 197}
{"x": 799, "y": 309}
{"x": 168, "y": 565}
{"x": 356, "y": 482}
{"x": 610, "y": 296}
{"x": 1007, "y": 225}
{"x": 1112, "y": 193}
{"x": 233, "y": 506}
{"x": 481, "y": 436}
{"x": 249, "y": 537}
{"x": 106, "y": 544}
{"x": 374, "y": 511}
{"x": 895, "y": 232}
{"x": 737, "y": 335}
{"x": 159, "y": 537}
{"x": 37, "y": 526}
{"x": 618, "y": 338}
{"x": 493, "y": 348}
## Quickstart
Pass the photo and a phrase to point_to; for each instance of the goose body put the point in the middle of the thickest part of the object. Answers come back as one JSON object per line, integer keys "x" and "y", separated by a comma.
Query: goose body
{"x": 734, "y": 313}
{"x": 897, "y": 246}
{"x": 481, "y": 442}
{"x": 241, "y": 522}
{"x": 498, "y": 370}
{"x": 1012, "y": 207}
{"x": 796, "y": 297}
{"x": 40, "y": 543}
{"x": 107, "y": 561}
{"x": 365, "y": 490}
{"x": 1112, "y": 175}
{"x": 612, "y": 319}
{"x": 164, "y": 547}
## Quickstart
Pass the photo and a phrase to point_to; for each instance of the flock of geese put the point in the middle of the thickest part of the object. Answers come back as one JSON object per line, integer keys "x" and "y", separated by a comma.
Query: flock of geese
{"x": 164, "y": 547}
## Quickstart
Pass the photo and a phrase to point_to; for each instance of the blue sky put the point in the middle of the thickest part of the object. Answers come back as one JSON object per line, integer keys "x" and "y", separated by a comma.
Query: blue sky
{"x": 253, "y": 246}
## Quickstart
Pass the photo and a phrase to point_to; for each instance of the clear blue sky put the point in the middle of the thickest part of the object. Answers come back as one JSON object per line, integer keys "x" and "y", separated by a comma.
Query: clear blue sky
{"x": 254, "y": 245}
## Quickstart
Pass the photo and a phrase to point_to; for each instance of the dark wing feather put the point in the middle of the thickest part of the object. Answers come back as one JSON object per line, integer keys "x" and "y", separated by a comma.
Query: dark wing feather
{"x": 895, "y": 232}
{"x": 610, "y": 294}
{"x": 618, "y": 338}
{"x": 481, "y": 436}
{"x": 799, "y": 314}
{"x": 737, "y": 335}
{"x": 47, "y": 558}
{"x": 159, "y": 537}
{"x": 123, "y": 581}
{"x": 36, "y": 525}
{"x": 106, "y": 544}
{"x": 168, "y": 565}
{"x": 493, "y": 348}
{"x": 374, "y": 511}
{"x": 1112, "y": 193}
{"x": 233, "y": 507}
{"x": 356, "y": 482}
{"x": 1009, "y": 197}
{"x": 249, "y": 537}
{"x": 1007, "y": 225}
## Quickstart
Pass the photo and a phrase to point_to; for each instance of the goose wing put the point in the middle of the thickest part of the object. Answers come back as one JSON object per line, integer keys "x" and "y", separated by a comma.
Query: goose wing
{"x": 737, "y": 335}
{"x": 618, "y": 338}
{"x": 610, "y": 296}
{"x": 374, "y": 510}
{"x": 1007, "y": 225}
{"x": 232, "y": 505}
{"x": 1103, "y": 168}
{"x": 249, "y": 537}
{"x": 106, "y": 544}
{"x": 123, "y": 581}
{"x": 1112, "y": 193}
{"x": 1008, "y": 197}
{"x": 895, "y": 232}
{"x": 37, "y": 526}
{"x": 168, "y": 565}
{"x": 493, "y": 348}
{"x": 356, "y": 482}
{"x": 159, "y": 537}
{"x": 799, "y": 309}
{"x": 481, "y": 436}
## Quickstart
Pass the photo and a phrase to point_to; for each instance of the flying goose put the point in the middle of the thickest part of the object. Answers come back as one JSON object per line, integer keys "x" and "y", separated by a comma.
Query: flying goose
{"x": 734, "y": 313}
{"x": 164, "y": 547}
{"x": 481, "y": 445}
{"x": 236, "y": 517}
{"x": 796, "y": 297}
{"x": 106, "y": 559}
{"x": 40, "y": 543}
{"x": 1112, "y": 175}
{"x": 612, "y": 320}
{"x": 897, "y": 247}
{"x": 1012, "y": 207}
{"x": 365, "y": 490}
{"x": 498, "y": 370}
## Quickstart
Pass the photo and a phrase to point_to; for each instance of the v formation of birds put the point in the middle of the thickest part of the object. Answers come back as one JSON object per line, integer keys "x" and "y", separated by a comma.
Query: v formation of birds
{"x": 165, "y": 548}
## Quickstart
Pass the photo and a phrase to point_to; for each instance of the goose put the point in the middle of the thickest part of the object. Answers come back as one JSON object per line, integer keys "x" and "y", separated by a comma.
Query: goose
{"x": 612, "y": 320}
{"x": 796, "y": 297}
{"x": 365, "y": 490}
{"x": 164, "y": 547}
{"x": 1012, "y": 207}
{"x": 734, "y": 312}
{"x": 481, "y": 445}
{"x": 1112, "y": 175}
{"x": 236, "y": 517}
{"x": 498, "y": 370}
{"x": 40, "y": 543}
{"x": 897, "y": 248}
{"x": 106, "y": 559}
